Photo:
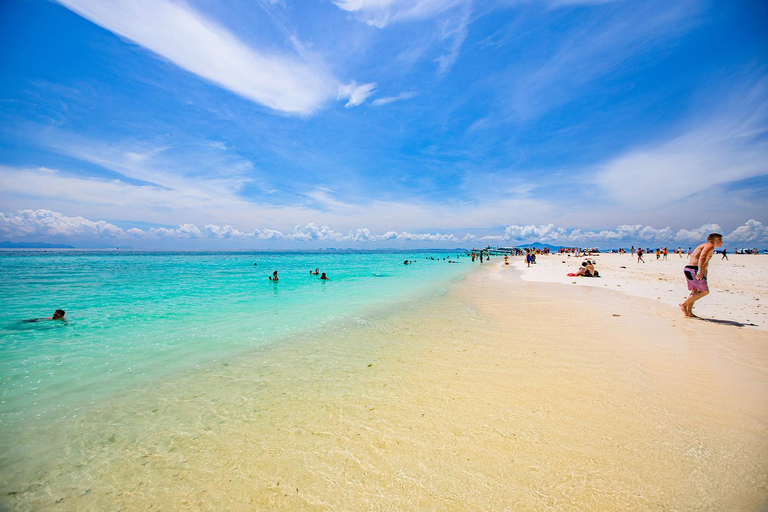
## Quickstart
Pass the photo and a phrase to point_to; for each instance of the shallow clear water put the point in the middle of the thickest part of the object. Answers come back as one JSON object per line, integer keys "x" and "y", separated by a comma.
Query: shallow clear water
{"x": 135, "y": 316}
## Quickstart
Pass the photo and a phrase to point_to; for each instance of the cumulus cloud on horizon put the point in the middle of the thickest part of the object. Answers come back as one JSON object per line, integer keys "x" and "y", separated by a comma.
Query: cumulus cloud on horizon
{"x": 41, "y": 225}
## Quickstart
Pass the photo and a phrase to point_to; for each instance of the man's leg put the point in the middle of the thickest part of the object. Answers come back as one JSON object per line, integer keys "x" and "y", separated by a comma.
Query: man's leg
{"x": 687, "y": 305}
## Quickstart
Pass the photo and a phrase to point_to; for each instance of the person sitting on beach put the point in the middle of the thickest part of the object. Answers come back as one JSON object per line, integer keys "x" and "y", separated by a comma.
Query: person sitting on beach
{"x": 273, "y": 277}
{"x": 324, "y": 277}
{"x": 587, "y": 269}
{"x": 57, "y": 315}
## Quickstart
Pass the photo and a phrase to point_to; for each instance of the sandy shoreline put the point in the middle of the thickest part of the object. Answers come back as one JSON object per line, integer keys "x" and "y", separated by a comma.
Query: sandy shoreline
{"x": 501, "y": 395}
{"x": 737, "y": 285}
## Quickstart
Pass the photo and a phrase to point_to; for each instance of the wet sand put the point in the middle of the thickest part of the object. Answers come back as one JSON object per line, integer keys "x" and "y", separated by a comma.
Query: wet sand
{"x": 501, "y": 395}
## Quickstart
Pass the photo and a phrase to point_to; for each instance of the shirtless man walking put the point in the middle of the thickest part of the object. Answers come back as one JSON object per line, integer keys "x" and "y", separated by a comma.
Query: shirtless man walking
{"x": 696, "y": 272}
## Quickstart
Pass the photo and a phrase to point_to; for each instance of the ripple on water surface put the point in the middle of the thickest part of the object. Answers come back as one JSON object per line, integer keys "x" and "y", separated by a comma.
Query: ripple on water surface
{"x": 133, "y": 317}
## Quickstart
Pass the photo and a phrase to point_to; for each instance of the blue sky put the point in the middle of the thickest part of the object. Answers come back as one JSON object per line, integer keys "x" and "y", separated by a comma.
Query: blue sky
{"x": 383, "y": 123}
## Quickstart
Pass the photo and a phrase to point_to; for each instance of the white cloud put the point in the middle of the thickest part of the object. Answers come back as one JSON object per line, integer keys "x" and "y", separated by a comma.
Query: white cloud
{"x": 197, "y": 44}
{"x": 227, "y": 231}
{"x": 46, "y": 224}
{"x": 684, "y": 166}
{"x": 698, "y": 234}
{"x": 455, "y": 31}
{"x": 312, "y": 232}
{"x": 626, "y": 232}
{"x": 562, "y": 3}
{"x": 181, "y": 196}
{"x": 357, "y": 94}
{"x": 391, "y": 99}
{"x": 751, "y": 232}
{"x": 726, "y": 147}
{"x": 380, "y": 13}
{"x": 183, "y": 231}
{"x": 268, "y": 234}
{"x": 42, "y": 224}
{"x": 548, "y": 232}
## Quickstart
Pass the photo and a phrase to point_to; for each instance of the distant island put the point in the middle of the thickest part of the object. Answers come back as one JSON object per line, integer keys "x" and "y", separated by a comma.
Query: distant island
{"x": 32, "y": 245}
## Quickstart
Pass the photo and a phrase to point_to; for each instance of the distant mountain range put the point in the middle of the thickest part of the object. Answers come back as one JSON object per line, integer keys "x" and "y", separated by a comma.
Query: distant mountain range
{"x": 32, "y": 245}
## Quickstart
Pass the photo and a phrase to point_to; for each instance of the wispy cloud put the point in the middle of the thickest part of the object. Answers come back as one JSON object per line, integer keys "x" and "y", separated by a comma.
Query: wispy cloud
{"x": 455, "y": 30}
{"x": 380, "y": 13}
{"x": 593, "y": 49}
{"x": 193, "y": 42}
{"x": 726, "y": 146}
{"x": 163, "y": 164}
{"x": 561, "y": 3}
{"x": 356, "y": 93}
{"x": 392, "y": 99}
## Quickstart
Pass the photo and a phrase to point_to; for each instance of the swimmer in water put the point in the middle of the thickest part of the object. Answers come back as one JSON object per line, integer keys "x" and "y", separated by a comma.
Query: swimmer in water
{"x": 324, "y": 277}
{"x": 57, "y": 315}
{"x": 273, "y": 277}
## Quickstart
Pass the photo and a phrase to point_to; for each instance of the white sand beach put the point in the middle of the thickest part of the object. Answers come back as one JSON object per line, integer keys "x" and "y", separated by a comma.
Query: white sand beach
{"x": 503, "y": 394}
{"x": 737, "y": 285}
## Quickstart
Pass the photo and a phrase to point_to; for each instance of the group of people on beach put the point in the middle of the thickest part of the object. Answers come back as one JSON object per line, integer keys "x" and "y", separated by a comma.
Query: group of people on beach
{"x": 695, "y": 271}
{"x": 661, "y": 252}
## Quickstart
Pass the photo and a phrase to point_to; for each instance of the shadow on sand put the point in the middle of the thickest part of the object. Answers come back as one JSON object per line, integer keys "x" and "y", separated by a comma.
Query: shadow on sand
{"x": 726, "y": 322}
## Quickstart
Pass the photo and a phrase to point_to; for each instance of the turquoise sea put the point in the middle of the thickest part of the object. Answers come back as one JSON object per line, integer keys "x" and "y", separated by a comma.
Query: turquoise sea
{"x": 134, "y": 317}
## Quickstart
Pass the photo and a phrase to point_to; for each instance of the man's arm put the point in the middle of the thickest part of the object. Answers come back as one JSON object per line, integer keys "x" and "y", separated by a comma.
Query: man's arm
{"x": 704, "y": 258}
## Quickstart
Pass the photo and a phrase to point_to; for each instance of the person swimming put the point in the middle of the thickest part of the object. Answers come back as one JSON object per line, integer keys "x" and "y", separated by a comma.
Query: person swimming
{"x": 324, "y": 277}
{"x": 57, "y": 315}
{"x": 273, "y": 277}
